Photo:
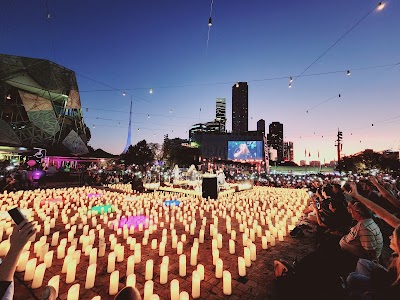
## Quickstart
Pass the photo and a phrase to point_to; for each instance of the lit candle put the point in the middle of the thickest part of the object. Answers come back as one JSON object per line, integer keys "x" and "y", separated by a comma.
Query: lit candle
{"x": 23, "y": 259}
{"x": 164, "y": 273}
{"x": 182, "y": 265}
{"x": 48, "y": 258}
{"x": 149, "y": 269}
{"x": 273, "y": 241}
{"x": 61, "y": 251}
{"x": 280, "y": 235}
{"x": 193, "y": 256}
{"x": 55, "y": 283}
{"x": 102, "y": 249}
{"x": 71, "y": 271}
{"x": 184, "y": 296}
{"x": 264, "y": 242}
{"x": 130, "y": 266}
{"x": 174, "y": 241}
{"x": 195, "y": 285}
{"x": 231, "y": 246}
{"x": 148, "y": 289}
{"x": 90, "y": 276}
{"x": 233, "y": 235}
{"x": 215, "y": 255}
{"x": 114, "y": 280}
{"x": 38, "y": 276}
{"x": 219, "y": 240}
{"x": 73, "y": 292}
{"x": 241, "y": 266}
{"x": 30, "y": 269}
{"x": 138, "y": 253}
{"x": 253, "y": 252}
{"x": 227, "y": 283}
{"x": 179, "y": 248}
{"x": 155, "y": 297}
{"x": 111, "y": 262}
{"x": 201, "y": 236}
{"x": 161, "y": 250}
{"x": 120, "y": 253}
{"x": 174, "y": 288}
{"x": 54, "y": 238}
{"x": 200, "y": 269}
{"x": 154, "y": 244}
{"x": 131, "y": 280}
{"x": 93, "y": 256}
{"x": 219, "y": 268}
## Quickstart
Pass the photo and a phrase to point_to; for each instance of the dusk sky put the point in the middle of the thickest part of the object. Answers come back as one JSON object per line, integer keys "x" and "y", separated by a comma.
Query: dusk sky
{"x": 135, "y": 46}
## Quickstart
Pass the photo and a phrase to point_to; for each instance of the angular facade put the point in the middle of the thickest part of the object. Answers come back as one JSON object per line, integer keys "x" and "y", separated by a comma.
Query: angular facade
{"x": 40, "y": 105}
{"x": 240, "y": 107}
{"x": 220, "y": 113}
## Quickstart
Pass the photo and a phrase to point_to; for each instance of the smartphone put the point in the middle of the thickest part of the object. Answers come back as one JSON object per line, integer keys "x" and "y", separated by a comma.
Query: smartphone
{"x": 317, "y": 204}
{"x": 310, "y": 193}
{"x": 16, "y": 215}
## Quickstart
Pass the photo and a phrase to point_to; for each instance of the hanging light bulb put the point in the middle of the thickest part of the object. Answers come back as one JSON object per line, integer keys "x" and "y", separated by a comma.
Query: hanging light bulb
{"x": 151, "y": 91}
{"x": 381, "y": 5}
{"x": 209, "y": 22}
{"x": 138, "y": 129}
{"x": 339, "y": 95}
{"x": 8, "y": 97}
{"x": 348, "y": 73}
{"x": 94, "y": 126}
{"x": 148, "y": 116}
{"x": 290, "y": 79}
{"x": 170, "y": 111}
{"x": 290, "y": 85}
{"x": 123, "y": 94}
{"x": 48, "y": 15}
{"x": 237, "y": 84}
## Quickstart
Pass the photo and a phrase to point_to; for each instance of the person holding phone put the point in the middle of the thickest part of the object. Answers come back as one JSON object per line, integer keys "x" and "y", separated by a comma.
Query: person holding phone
{"x": 20, "y": 236}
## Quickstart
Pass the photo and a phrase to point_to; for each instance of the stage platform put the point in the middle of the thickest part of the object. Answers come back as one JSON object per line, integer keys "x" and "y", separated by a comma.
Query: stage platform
{"x": 192, "y": 192}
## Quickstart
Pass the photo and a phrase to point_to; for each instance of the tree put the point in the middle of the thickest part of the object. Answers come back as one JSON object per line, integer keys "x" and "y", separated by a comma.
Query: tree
{"x": 139, "y": 154}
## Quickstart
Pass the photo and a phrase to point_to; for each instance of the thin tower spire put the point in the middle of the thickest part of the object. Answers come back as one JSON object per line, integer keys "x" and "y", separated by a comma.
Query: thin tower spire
{"x": 128, "y": 140}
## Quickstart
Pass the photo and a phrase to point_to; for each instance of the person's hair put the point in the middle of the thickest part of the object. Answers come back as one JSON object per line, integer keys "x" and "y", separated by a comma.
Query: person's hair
{"x": 396, "y": 261}
{"x": 328, "y": 190}
{"x": 362, "y": 210}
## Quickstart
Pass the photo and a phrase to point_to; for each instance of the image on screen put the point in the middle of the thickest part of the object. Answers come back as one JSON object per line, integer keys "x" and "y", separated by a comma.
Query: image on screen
{"x": 245, "y": 150}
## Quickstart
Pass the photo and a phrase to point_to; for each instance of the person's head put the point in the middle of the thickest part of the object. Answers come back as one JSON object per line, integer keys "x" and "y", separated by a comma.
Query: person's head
{"x": 334, "y": 205}
{"x": 395, "y": 240}
{"x": 327, "y": 191}
{"x": 337, "y": 188}
{"x": 359, "y": 211}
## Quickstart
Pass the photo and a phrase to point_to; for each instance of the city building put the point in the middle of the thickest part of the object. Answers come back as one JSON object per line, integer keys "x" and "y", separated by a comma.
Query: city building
{"x": 315, "y": 163}
{"x": 220, "y": 113}
{"x": 288, "y": 154}
{"x": 240, "y": 107}
{"x": 275, "y": 138}
{"x": 212, "y": 126}
{"x": 302, "y": 163}
{"x": 261, "y": 125}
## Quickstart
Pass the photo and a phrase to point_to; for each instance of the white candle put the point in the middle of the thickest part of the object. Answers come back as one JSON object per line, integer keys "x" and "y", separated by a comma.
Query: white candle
{"x": 233, "y": 235}
{"x": 174, "y": 241}
{"x": 55, "y": 282}
{"x": 195, "y": 285}
{"x": 219, "y": 240}
{"x": 38, "y": 277}
{"x": 111, "y": 262}
{"x": 227, "y": 283}
{"x": 174, "y": 288}
{"x": 200, "y": 269}
{"x": 193, "y": 256}
{"x": 184, "y": 296}
{"x": 54, "y": 238}
{"x": 120, "y": 253}
{"x": 114, "y": 280}
{"x": 154, "y": 244}
{"x": 90, "y": 276}
{"x": 182, "y": 265}
{"x": 61, "y": 251}
{"x": 71, "y": 271}
{"x": 161, "y": 250}
{"x": 273, "y": 241}
{"x": 163, "y": 273}
{"x": 264, "y": 242}
{"x": 215, "y": 255}
{"x": 30, "y": 269}
{"x": 219, "y": 268}
{"x": 23, "y": 259}
{"x": 131, "y": 280}
{"x": 73, "y": 292}
{"x": 148, "y": 290}
{"x": 280, "y": 235}
{"x": 179, "y": 248}
{"x": 149, "y": 269}
{"x": 93, "y": 256}
{"x": 201, "y": 236}
{"x": 138, "y": 253}
{"x": 102, "y": 249}
{"x": 253, "y": 252}
{"x": 231, "y": 246}
{"x": 130, "y": 266}
{"x": 48, "y": 259}
{"x": 241, "y": 266}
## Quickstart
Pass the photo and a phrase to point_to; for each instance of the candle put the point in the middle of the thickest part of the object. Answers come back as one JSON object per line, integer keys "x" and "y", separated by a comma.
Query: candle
{"x": 233, "y": 235}
{"x": 193, "y": 256}
{"x": 241, "y": 266}
{"x": 111, "y": 262}
{"x": 219, "y": 240}
{"x": 280, "y": 235}
{"x": 71, "y": 271}
{"x": 148, "y": 290}
{"x": 102, "y": 249}
{"x": 273, "y": 241}
{"x": 195, "y": 284}
{"x": 48, "y": 258}
{"x": 30, "y": 269}
{"x": 264, "y": 242}
{"x": 231, "y": 246}
{"x": 219, "y": 268}
{"x": 200, "y": 269}
{"x": 73, "y": 292}
{"x": 201, "y": 236}
{"x": 174, "y": 241}
{"x": 38, "y": 276}
{"x": 93, "y": 256}
{"x": 23, "y": 259}
{"x": 227, "y": 283}
{"x": 54, "y": 238}
{"x": 179, "y": 248}
{"x": 90, "y": 276}
{"x": 184, "y": 296}
{"x": 130, "y": 266}
{"x": 114, "y": 280}
{"x": 138, "y": 253}
{"x": 154, "y": 244}
{"x": 61, "y": 251}
{"x": 155, "y": 297}
{"x": 149, "y": 269}
{"x": 182, "y": 265}
{"x": 161, "y": 250}
{"x": 55, "y": 283}
{"x": 163, "y": 273}
{"x": 131, "y": 280}
{"x": 120, "y": 253}
{"x": 174, "y": 288}
{"x": 253, "y": 252}
{"x": 215, "y": 255}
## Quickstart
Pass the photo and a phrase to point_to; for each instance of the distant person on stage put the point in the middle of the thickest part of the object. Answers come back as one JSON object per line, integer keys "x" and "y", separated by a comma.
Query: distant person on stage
{"x": 177, "y": 174}
{"x": 242, "y": 152}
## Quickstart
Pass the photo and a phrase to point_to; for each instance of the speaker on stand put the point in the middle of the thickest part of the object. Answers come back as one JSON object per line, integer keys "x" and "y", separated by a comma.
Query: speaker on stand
{"x": 209, "y": 187}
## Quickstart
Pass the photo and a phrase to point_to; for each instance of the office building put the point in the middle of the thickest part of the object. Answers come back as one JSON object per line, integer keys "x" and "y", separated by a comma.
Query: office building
{"x": 220, "y": 113}
{"x": 261, "y": 125}
{"x": 275, "y": 138}
{"x": 288, "y": 154}
{"x": 240, "y": 107}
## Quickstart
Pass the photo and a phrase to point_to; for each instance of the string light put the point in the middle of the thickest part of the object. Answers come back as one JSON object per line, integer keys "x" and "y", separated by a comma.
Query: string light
{"x": 151, "y": 91}
{"x": 381, "y": 5}
{"x": 148, "y": 116}
{"x": 209, "y": 22}
{"x": 290, "y": 79}
{"x": 348, "y": 73}
{"x": 123, "y": 94}
{"x": 8, "y": 97}
{"x": 237, "y": 84}
{"x": 94, "y": 126}
{"x": 290, "y": 85}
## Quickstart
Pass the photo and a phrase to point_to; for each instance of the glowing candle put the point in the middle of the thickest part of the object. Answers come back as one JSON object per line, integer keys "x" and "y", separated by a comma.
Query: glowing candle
{"x": 174, "y": 241}
{"x": 54, "y": 238}
{"x": 48, "y": 258}
{"x": 73, "y": 292}
{"x": 102, "y": 249}
{"x": 148, "y": 290}
{"x": 227, "y": 283}
{"x": 195, "y": 285}
{"x": 55, "y": 283}
{"x": 201, "y": 236}
{"x": 149, "y": 269}
{"x": 215, "y": 255}
{"x": 253, "y": 252}
{"x": 182, "y": 265}
{"x": 233, "y": 235}
{"x": 138, "y": 253}
{"x": 155, "y": 297}
{"x": 30, "y": 269}
{"x": 179, "y": 248}
{"x": 61, "y": 251}
{"x": 264, "y": 242}
{"x": 193, "y": 256}
{"x": 174, "y": 289}
{"x": 111, "y": 262}
{"x": 231, "y": 246}
{"x": 114, "y": 280}
{"x": 71, "y": 271}
{"x": 219, "y": 240}
{"x": 280, "y": 235}
{"x": 38, "y": 276}
{"x": 90, "y": 276}
{"x": 120, "y": 253}
{"x": 164, "y": 273}
{"x": 93, "y": 256}
{"x": 23, "y": 259}
{"x": 184, "y": 296}
{"x": 219, "y": 268}
{"x": 130, "y": 266}
{"x": 200, "y": 269}
{"x": 272, "y": 241}
{"x": 131, "y": 280}
{"x": 161, "y": 250}
{"x": 242, "y": 266}
{"x": 154, "y": 244}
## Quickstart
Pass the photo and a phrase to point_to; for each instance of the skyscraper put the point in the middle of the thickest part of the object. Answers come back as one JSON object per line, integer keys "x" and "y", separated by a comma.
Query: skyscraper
{"x": 275, "y": 138}
{"x": 261, "y": 125}
{"x": 240, "y": 107}
{"x": 288, "y": 154}
{"x": 220, "y": 113}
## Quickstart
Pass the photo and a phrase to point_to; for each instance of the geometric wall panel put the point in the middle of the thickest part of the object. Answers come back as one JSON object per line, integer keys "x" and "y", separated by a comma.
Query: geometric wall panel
{"x": 45, "y": 120}
{"x": 75, "y": 144}
{"x": 7, "y": 135}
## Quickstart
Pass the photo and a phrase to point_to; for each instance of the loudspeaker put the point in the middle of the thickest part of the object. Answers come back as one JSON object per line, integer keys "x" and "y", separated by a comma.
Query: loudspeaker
{"x": 209, "y": 187}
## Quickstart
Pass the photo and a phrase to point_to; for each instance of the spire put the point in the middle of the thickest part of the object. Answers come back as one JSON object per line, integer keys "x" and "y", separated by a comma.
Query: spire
{"x": 128, "y": 140}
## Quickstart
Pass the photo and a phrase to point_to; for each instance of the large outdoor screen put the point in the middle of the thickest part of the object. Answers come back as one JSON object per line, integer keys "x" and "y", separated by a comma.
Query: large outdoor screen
{"x": 245, "y": 150}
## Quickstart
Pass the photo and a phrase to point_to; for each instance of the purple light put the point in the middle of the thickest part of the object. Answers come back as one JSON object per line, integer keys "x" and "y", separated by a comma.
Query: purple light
{"x": 134, "y": 221}
{"x": 94, "y": 195}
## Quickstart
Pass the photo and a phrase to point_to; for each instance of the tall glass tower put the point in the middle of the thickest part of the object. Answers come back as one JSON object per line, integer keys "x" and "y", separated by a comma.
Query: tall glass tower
{"x": 240, "y": 107}
{"x": 220, "y": 113}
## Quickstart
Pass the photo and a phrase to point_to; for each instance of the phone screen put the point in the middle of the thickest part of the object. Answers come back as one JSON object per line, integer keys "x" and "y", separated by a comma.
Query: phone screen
{"x": 16, "y": 215}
